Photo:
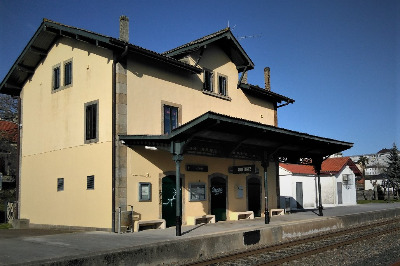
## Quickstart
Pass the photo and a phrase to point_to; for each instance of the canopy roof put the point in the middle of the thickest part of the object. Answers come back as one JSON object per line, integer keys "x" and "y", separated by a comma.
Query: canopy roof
{"x": 217, "y": 135}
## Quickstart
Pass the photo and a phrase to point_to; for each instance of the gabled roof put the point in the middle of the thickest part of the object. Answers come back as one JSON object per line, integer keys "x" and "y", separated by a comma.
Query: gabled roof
{"x": 49, "y": 32}
{"x": 298, "y": 168}
{"x": 224, "y": 39}
{"x": 329, "y": 166}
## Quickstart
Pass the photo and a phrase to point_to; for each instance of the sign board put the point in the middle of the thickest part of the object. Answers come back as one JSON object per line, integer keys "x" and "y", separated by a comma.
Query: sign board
{"x": 196, "y": 168}
{"x": 243, "y": 169}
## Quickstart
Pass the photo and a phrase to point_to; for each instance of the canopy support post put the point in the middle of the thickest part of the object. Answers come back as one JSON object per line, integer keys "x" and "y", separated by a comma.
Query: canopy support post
{"x": 317, "y": 162}
{"x": 178, "y": 158}
{"x": 265, "y": 164}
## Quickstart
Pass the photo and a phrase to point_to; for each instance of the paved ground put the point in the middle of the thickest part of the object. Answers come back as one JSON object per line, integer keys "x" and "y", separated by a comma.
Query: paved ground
{"x": 33, "y": 245}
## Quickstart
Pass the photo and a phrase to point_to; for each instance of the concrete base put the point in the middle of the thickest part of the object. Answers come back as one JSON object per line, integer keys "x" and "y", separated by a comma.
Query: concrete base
{"x": 184, "y": 250}
{"x": 162, "y": 247}
{"x": 20, "y": 223}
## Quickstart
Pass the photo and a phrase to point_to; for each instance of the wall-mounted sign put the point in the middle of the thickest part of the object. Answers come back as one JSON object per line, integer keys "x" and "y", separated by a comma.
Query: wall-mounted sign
{"x": 243, "y": 169}
{"x": 144, "y": 191}
{"x": 196, "y": 168}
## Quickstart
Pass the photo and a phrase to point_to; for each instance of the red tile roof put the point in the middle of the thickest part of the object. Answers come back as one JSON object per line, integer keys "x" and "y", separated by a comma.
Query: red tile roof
{"x": 8, "y": 130}
{"x": 298, "y": 168}
{"x": 329, "y": 166}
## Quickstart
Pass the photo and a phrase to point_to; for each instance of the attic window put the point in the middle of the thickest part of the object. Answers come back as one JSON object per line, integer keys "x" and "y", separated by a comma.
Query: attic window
{"x": 68, "y": 73}
{"x": 208, "y": 80}
{"x": 56, "y": 77}
{"x": 222, "y": 85}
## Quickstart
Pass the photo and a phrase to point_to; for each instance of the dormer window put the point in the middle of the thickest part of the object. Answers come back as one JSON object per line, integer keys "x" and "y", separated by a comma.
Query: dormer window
{"x": 222, "y": 85}
{"x": 56, "y": 77}
{"x": 68, "y": 73}
{"x": 208, "y": 80}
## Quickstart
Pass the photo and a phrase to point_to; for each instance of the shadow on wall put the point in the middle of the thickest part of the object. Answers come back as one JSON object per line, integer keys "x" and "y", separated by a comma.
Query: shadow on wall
{"x": 289, "y": 204}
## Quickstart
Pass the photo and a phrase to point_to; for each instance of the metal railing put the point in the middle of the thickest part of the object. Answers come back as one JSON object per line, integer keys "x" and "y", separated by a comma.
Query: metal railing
{"x": 11, "y": 211}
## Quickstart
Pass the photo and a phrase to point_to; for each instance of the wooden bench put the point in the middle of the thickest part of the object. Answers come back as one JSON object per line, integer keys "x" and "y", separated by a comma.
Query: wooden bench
{"x": 151, "y": 224}
{"x": 243, "y": 215}
{"x": 273, "y": 212}
{"x": 207, "y": 219}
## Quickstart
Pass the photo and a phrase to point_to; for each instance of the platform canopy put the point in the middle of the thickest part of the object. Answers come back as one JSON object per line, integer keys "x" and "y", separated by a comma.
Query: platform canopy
{"x": 217, "y": 135}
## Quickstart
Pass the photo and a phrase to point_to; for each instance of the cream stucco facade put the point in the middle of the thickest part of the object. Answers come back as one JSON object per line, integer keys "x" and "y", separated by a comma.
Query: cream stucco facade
{"x": 149, "y": 88}
{"x": 52, "y": 140}
{"x": 107, "y": 126}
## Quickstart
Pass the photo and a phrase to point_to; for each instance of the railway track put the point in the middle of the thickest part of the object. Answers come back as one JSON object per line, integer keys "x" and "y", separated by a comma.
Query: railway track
{"x": 297, "y": 249}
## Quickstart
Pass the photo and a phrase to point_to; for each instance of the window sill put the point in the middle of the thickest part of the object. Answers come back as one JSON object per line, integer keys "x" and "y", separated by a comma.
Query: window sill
{"x": 61, "y": 88}
{"x": 223, "y": 97}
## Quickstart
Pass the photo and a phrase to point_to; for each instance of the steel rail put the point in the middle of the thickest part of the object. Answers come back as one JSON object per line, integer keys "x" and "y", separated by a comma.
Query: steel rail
{"x": 302, "y": 241}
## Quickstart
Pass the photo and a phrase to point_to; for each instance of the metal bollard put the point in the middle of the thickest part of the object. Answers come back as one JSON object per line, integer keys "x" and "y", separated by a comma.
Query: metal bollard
{"x": 119, "y": 220}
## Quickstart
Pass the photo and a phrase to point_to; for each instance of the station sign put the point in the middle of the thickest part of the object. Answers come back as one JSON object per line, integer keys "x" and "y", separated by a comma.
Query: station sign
{"x": 243, "y": 169}
{"x": 196, "y": 168}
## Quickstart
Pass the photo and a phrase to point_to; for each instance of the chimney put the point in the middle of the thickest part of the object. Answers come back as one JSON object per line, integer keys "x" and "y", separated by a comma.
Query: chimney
{"x": 244, "y": 78}
{"x": 267, "y": 75}
{"x": 124, "y": 28}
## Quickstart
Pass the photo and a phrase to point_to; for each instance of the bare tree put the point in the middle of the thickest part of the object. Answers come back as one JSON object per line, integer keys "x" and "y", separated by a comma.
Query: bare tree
{"x": 8, "y": 108}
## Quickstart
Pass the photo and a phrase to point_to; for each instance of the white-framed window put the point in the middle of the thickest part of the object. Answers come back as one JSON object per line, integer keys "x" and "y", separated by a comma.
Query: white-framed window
{"x": 197, "y": 191}
{"x": 144, "y": 191}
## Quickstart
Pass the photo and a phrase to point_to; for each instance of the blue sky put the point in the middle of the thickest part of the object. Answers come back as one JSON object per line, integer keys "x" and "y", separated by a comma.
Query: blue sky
{"x": 339, "y": 60}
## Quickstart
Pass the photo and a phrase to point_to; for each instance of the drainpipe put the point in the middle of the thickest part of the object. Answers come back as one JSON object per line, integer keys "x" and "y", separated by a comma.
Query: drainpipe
{"x": 113, "y": 141}
{"x": 19, "y": 154}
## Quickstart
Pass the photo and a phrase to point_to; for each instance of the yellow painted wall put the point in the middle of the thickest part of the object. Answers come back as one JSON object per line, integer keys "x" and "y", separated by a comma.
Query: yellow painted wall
{"x": 53, "y": 136}
{"x": 150, "y": 166}
{"x": 53, "y": 140}
{"x": 148, "y": 88}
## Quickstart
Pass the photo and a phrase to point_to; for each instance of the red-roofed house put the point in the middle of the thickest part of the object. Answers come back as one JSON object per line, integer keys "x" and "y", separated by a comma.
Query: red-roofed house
{"x": 298, "y": 184}
{"x": 8, "y": 153}
{"x": 8, "y": 131}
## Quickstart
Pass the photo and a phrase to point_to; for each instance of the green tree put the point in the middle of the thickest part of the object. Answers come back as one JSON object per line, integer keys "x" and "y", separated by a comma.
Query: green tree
{"x": 393, "y": 170}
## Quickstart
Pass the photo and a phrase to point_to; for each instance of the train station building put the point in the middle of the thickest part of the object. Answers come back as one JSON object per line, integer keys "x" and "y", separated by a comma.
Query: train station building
{"x": 108, "y": 127}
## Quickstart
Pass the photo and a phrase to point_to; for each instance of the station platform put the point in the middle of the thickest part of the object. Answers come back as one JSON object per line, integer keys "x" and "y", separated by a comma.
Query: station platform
{"x": 162, "y": 247}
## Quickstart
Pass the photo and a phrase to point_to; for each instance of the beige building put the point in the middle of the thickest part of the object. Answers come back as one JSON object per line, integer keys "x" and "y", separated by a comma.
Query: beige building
{"x": 106, "y": 125}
